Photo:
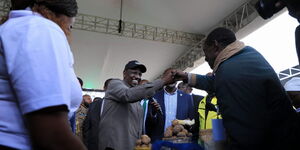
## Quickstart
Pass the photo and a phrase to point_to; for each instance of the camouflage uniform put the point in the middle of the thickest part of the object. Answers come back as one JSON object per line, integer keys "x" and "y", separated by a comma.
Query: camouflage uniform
{"x": 80, "y": 116}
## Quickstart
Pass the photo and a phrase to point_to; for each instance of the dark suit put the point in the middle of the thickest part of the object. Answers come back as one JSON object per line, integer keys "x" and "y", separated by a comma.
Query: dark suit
{"x": 91, "y": 124}
{"x": 155, "y": 123}
{"x": 195, "y": 129}
{"x": 297, "y": 41}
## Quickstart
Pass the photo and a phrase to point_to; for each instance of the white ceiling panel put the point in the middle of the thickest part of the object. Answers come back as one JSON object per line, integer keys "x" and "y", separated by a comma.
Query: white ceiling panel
{"x": 101, "y": 56}
{"x": 195, "y": 16}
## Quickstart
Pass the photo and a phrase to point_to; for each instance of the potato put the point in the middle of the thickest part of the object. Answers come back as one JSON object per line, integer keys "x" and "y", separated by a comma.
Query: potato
{"x": 144, "y": 136}
{"x": 177, "y": 129}
{"x": 145, "y": 139}
{"x": 138, "y": 146}
{"x": 181, "y": 134}
{"x": 170, "y": 128}
{"x": 138, "y": 142}
{"x": 185, "y": 131}
{"x": 175, "y": 122}
{"x": 168, "y": 134}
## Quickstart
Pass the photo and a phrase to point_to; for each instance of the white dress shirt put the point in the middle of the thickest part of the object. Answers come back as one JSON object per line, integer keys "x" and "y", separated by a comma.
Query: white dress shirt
{"x": 170, "y": 107}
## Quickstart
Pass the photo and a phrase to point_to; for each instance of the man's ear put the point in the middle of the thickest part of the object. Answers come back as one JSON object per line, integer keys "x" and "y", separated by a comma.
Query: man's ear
{"x": 216, "y": 43}
{"x": 218, "y": 46}
{"x": 124, "y": 72}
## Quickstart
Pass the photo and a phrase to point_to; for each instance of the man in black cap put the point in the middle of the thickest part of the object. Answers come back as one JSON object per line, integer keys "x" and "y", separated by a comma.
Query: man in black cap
{"x": 122, "y": 114}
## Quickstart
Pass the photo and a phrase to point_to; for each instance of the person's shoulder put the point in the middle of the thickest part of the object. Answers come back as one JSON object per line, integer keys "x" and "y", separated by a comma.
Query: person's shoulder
{"x": 242, "y": 53}
{"x": 115, "y": 81}
{"x": 95, "y": 103}
{"x": 248, "y": 56}
{"x": 80, "y": 109}
{"x": 237, "y": 60}
{"x": 181, "y": 93}
{"x": 43, "y": 23}
{"x": 195, "y": 96}
{"x": 33, "y": 25}
{"x": 159, "y": 93}
{"x": 39, "y": 21}
{"x": 249, "y": 48}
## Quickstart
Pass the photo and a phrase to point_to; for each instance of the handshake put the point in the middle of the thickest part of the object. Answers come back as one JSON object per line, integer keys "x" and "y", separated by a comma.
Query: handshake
{"x": 172, "y": 75}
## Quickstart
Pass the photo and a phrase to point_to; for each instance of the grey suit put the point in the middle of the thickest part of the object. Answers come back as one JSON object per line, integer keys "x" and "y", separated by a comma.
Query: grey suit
{"x": 122, "y": 117}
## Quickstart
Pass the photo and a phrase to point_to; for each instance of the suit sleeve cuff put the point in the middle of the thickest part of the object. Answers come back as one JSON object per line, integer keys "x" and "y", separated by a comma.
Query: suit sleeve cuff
{"x": 192, "y": 79}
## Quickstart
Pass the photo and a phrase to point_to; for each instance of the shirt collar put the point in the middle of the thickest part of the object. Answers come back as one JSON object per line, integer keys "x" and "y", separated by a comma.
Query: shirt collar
{"x": 175, "y": 92}
{"x": 22, "y": 13}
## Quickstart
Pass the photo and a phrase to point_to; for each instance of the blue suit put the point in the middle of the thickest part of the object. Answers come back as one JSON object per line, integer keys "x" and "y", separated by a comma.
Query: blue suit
{"x": 155, "y": 122}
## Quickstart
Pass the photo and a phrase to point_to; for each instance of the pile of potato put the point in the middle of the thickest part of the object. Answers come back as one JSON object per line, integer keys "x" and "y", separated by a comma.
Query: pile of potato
{"x": 144, "y": 141}
{"x": 176, "y": 130}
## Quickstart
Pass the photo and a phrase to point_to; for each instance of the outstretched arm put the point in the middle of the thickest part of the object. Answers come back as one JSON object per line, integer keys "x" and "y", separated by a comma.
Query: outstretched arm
{"x": 203, "y": 82}
{"x": 119, "y": 91}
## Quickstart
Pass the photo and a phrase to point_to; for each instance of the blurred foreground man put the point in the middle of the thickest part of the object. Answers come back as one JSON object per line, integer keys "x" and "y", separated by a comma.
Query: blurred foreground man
{"x": 121, "y": 120}
{"x": 256, "y": 111}
{"x": 81, "y": 114}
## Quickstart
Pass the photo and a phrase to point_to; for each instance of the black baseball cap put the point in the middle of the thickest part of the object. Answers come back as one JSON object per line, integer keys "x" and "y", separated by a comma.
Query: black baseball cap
{"x": 133, "y": 64}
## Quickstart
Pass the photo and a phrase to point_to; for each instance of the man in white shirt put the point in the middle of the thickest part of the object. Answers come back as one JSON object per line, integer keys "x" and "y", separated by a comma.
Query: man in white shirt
{"x": 175, "y": 104}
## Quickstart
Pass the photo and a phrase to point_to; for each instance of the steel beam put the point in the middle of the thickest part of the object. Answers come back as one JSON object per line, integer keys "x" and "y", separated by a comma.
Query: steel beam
{"x": 134, "y": 30}
{"x": 289, "y": 73}
{"x": 235, "y": 21}
{"x": 131, "y": 30}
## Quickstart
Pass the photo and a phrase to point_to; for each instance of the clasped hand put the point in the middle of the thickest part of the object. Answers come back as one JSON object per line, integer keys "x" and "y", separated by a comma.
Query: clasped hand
{"x": 172, "y": 75}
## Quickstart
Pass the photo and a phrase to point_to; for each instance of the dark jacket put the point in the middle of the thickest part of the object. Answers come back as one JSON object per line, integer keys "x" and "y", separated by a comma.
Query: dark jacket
{"x": 195, "y": 129}
{"x": 155, "y": 123}
{"x": 255, "y": 108}
{"x": 91, "y": 124}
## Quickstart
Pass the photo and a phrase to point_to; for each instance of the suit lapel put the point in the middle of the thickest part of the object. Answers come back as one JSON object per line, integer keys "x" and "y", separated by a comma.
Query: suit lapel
{"x": 162, "y": 102}
{"x": 178, "y": 110}
{"x": 160, "y": 97}
{"x": 180, "y": 104}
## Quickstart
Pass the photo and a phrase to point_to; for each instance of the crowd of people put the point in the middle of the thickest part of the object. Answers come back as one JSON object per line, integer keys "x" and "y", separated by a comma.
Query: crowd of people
{"x": 42, "y": 106}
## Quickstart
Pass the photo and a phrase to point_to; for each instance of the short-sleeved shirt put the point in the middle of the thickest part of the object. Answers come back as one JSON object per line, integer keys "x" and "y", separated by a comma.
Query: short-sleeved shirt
{"x": 36, "y": 72}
